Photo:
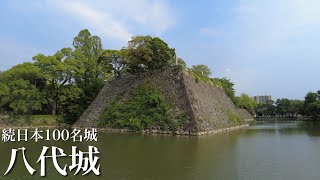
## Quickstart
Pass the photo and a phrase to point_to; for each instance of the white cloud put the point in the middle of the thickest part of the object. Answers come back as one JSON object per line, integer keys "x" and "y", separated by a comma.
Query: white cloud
{"x": 271, "y": 37}
{"x": 156, "y": 14}
{"x": 114, "y": 21}
{"x": 264, "y": 26}
{"x": 119, "y": 20}
{"x": 100, "y": 21}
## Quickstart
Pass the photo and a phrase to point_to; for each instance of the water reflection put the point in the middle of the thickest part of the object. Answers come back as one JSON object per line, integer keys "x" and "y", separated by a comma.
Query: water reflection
{"x": 267, "y": 150}
{"x": 310, "y": 128}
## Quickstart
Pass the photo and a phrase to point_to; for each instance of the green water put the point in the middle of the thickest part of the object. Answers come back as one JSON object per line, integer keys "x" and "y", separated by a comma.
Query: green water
{"x": 284, "y": 150}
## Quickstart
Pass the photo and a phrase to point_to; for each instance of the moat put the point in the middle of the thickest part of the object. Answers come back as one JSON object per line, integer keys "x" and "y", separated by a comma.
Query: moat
{"x": 285, "y": 150}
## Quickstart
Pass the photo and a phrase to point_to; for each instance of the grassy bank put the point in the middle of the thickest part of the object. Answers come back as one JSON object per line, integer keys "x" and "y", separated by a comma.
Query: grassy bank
{"x": 28, "y": 120}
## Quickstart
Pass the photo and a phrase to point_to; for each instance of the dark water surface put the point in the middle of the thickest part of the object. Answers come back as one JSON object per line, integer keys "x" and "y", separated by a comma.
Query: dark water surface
{"x": 267, "y": 150}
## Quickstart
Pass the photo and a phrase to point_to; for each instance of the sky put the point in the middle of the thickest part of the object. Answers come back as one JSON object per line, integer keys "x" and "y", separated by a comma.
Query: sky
{"x": 264, "y": 47}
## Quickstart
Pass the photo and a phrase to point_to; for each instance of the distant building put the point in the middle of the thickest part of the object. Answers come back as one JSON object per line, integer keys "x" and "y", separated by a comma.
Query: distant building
{"x": 262, "y": 99}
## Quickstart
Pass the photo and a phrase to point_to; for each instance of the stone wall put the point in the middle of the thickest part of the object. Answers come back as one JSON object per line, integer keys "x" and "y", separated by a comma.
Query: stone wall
{"x": 245, "y": 114}
{"x": 169, "y": 82}
{"x": 206, "y": 106}
{"x": 210, "y": 105}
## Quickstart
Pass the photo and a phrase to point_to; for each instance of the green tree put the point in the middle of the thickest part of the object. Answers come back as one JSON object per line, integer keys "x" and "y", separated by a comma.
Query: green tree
{"x": 25, "y": 97}
{"x": 182, "y": 63}
{"x": 266, "y": 109}
{"x": 246, "y": 102}
{"x": 89, "y": 74}
{"x": 114, "y": 60}
{"x": 26, "y": 71}
{"x": 146, "y": 53}
{"x": 74, "y": 76}
{"x": 58, "y": 73}
{"x": 4, "y": 95}
{"x": 297, "y": 107}
{"x": 312, "y": 104}
{"x": 20, "y": 89}
{"x": 228, "y": 87}
{"x": 202, "y": 69}
{"x": 284, "y": 107}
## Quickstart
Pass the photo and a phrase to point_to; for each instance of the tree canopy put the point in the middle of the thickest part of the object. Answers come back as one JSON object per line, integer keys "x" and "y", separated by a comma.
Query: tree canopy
{"x": 246, "y": 102}
{"x": 114, "y": 60}
{"x": 146, "y": 53}
{"x": 312, "y": 104}
{"x": 66, "y": 82}
{"x": 228, "y": 87}
{"x": 20, "y": 89}
{"x": 202, "y": 69}
{"x": 284, "y": 107}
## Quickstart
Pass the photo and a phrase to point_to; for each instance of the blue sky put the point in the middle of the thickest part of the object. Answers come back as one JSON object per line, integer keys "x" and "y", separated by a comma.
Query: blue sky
{"x": 264, "y": 47}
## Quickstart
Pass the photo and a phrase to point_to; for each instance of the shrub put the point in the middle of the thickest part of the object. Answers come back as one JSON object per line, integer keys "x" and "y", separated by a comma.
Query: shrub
{"x": 234, "y": 118}
{"x": 145, "y": 108}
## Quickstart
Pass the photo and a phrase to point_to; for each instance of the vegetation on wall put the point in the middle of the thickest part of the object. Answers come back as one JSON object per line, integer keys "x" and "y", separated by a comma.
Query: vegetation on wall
{"x": 143, "y": 109}
{"x": 228, "y": 87}
{"x": 234, "y": 118}
{"x": 202, "y": 69}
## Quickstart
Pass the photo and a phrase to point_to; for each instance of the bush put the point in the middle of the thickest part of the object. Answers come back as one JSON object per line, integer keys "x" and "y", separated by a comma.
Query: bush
{"x": 199, "y": 77}
{"x": 246, "y": 102}
{"x": 145, "y": 108}
{"x": 234, "y": 118}
{"x": 31, "y": 120}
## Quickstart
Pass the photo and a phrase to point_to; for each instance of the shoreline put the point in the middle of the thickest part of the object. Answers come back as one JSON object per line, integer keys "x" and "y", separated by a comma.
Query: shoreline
{"x": 179, "y": 133}
{"x": 284, "y": 118}
{"x": 145, "y": 132}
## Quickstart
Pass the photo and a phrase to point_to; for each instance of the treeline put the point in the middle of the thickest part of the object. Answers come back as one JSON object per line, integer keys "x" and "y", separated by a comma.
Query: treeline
{"x": 66, "y": 82}
{"x": 310, "y": 107}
